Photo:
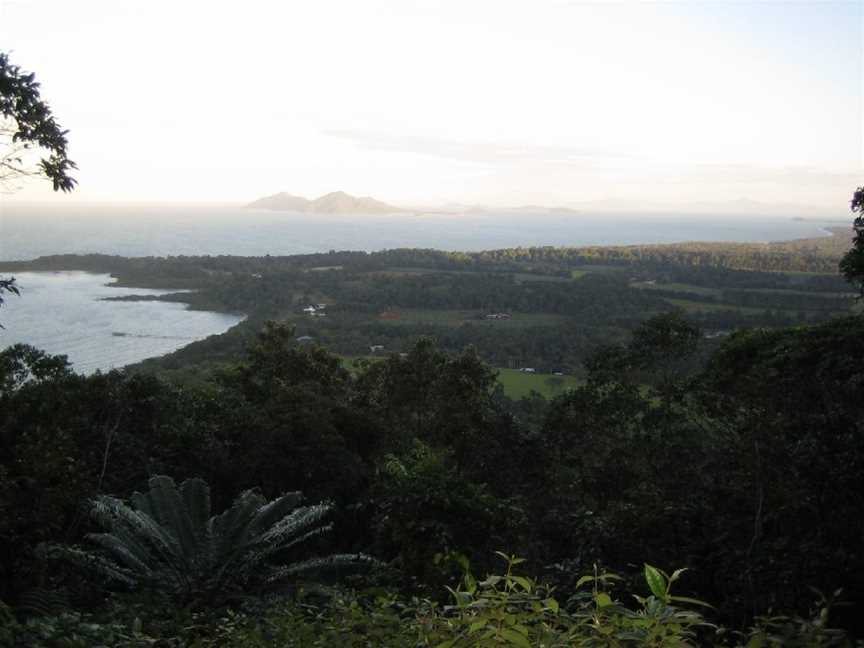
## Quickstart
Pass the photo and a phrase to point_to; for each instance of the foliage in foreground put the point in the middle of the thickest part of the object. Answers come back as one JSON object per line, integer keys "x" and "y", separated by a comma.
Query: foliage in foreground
{"x": 506, "y": 610}
{"x": 168, "y": 541}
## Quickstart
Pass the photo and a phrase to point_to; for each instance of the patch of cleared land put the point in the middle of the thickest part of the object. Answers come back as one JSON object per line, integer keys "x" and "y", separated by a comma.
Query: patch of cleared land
{"x": 705, "y": 307}
{"x": 678, "y": 287}
{"x": 518, "y": 384}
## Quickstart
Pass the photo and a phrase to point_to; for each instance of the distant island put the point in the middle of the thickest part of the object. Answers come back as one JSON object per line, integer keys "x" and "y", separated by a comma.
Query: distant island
{"x": 337, "y": 202}
{"x": 340, "y": 202}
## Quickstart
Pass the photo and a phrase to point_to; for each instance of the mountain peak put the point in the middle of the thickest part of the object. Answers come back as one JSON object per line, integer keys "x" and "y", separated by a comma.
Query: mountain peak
{"x": 336, "y": 202}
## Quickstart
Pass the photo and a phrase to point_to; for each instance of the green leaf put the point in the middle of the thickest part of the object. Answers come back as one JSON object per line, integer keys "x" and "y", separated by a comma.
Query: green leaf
{"x": 524, "y": 582}
{"x": 603, "y": 599}
{"x": 515, "y": 638}
{"x": 477, "y": 625}
{"x": 656, "y": 582}
{"x": 676, "y": 574}
{"x": 687, "y": 599}
{"x": 552, "y": 604}
{"x": 583, "y": 580}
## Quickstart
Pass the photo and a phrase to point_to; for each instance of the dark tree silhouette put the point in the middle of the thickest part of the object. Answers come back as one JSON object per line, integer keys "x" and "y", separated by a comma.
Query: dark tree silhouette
{"x": 27, "y": 124}
{"x": 852, "y": 264}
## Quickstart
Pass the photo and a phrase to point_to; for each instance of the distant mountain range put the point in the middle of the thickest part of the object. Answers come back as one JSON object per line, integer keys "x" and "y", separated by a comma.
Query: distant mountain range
{"x": 337, "y": 202}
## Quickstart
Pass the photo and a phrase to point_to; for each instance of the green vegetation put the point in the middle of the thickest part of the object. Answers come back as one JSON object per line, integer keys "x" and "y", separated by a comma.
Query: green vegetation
{"x": 727, "y": 439}
{"x": 168, "y": 541}
{"x": 710, "y": 307}
{"x": 519, "y": 384}
{"x": 26, "y": 122}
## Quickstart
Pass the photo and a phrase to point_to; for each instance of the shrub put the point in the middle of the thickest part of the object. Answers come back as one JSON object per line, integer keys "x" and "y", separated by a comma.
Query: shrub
{"x": 168, "y": 541}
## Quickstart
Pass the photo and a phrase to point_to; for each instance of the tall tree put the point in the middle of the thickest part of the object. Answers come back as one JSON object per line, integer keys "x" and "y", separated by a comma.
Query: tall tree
{"x": 852, "y": 264}
{"x": 27, "y": 124}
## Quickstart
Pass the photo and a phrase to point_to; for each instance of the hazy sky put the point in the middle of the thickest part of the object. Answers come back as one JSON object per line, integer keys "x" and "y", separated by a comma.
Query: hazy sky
{"x": 535, "y": 101}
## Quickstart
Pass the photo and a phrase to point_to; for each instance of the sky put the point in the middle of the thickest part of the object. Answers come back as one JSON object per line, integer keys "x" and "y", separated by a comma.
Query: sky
{"x": 550, "y": 102}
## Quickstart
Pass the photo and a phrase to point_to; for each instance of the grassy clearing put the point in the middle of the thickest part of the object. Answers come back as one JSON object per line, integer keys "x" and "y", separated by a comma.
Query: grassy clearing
{"x": 809, "y": 293}
{"x": 599, "y": 267}
{"x": 803, "y": 273}
{"x": 678, "y": 287}
{"x": 517, "y": 384}
{"x": 522, "y": 277}
{"x": 703, "y": 307}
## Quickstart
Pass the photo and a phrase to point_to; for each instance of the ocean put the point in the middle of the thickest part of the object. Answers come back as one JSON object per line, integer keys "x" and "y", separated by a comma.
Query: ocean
{"x": 28, "y": 231}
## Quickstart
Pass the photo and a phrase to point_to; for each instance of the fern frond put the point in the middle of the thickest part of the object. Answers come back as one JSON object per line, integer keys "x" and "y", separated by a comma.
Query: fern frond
{"x": 293, "y": 524}
{"x": 230, "y": 527}
{"x": 274, "y": 511}
{"x": 196, "y": 498}
{"x": 166, "y": 540}
{"x": 138, "y": 529}
{"x": 330, "y": 562}
{"x": 121, "y": 552}
{"x": 93, "y": 564}
{"x": 42, "y": 602}
{"x": 165, "y": 505}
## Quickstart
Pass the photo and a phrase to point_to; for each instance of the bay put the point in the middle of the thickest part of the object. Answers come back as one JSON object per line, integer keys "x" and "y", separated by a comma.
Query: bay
{"x": 64, "y": 313}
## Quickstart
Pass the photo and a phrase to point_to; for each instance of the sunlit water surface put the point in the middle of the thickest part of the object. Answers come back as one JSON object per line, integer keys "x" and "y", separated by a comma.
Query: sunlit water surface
{"x": 63, "y": 313}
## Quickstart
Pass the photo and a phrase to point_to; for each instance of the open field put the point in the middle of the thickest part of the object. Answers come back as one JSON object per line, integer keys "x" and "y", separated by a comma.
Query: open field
{"x": 521, "y": 277}
{"x": 518, "y": 384}
{"x": 678, "y": 287}
{"x": 718, "y": 292}
{"x": 704, "y": 307}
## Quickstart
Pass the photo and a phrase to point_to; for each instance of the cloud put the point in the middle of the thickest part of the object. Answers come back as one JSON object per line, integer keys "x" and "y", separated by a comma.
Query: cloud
{"x": 483, "y": 152}
{"x": 784, "y": 175}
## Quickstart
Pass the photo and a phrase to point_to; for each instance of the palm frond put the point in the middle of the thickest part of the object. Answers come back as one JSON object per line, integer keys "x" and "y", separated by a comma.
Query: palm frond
{"x": 334, "y": 561}
{"x": 274, "y": 511}
{"x": 168, "y": 540}
{"x": 196, "y": 498}
{"x": 165, "y": 505}
{"x": 121, "y": 552}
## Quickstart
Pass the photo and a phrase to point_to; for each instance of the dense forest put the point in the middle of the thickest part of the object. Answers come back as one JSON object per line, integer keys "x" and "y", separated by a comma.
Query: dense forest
{"x": 286, "y": 496}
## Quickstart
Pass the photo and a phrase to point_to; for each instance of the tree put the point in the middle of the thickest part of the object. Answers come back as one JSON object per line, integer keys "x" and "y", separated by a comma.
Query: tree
{"x": 852, "y": 264}
{"x": 7, "y": 285}
{"x": 168, "y": 541}
{"x": 26, "y": 124}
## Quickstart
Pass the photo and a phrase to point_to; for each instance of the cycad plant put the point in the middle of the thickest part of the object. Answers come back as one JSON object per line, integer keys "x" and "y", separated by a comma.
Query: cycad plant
{"x": 167, "y": 540}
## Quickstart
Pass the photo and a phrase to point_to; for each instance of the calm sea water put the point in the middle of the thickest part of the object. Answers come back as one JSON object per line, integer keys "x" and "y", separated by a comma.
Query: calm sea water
{"x": 62, "y": 312}
{"x": 30, "y": 231}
